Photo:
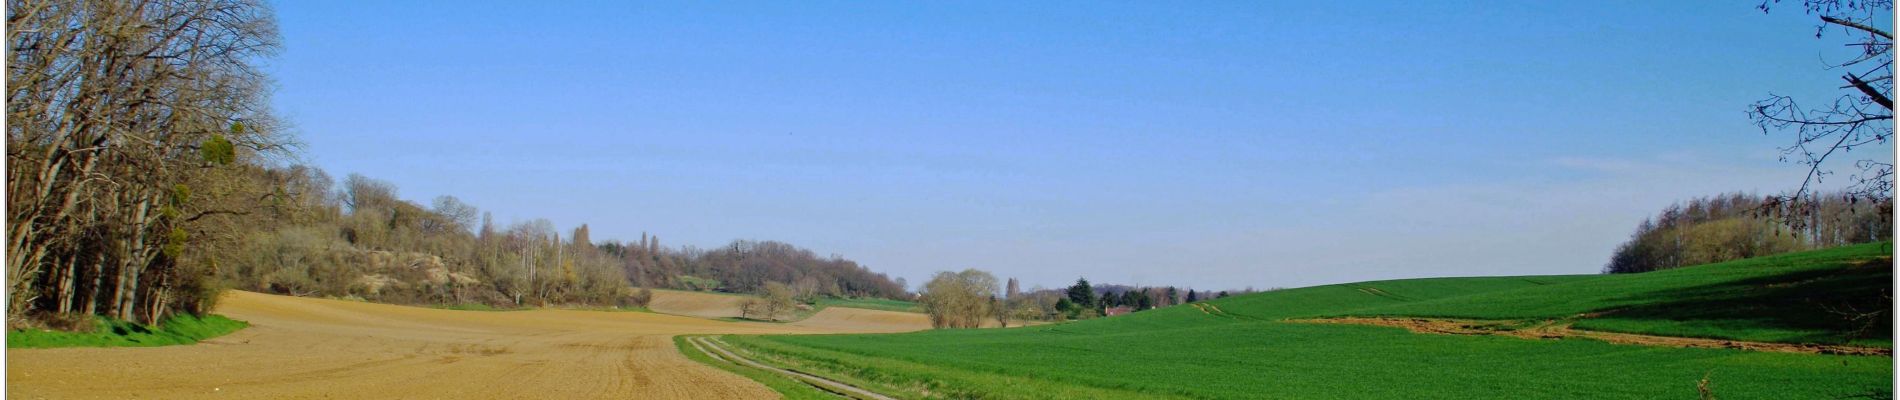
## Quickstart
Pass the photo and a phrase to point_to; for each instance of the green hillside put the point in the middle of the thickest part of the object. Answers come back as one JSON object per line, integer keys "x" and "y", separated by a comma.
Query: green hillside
{"x": 1795, "y": 298}
{"x": 871, "y": 303}
{"x": 1245, "y": 347}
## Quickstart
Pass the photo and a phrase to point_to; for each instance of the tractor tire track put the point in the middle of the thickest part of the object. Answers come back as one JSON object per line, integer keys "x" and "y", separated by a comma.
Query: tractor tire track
{"x": 822, "y": 383}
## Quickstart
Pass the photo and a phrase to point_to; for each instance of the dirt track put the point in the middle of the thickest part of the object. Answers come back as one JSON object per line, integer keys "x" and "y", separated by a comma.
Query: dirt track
{"x": 716, "y": 349}
{"x": 311, "y": 348}
{"x": 1557, "y": 329}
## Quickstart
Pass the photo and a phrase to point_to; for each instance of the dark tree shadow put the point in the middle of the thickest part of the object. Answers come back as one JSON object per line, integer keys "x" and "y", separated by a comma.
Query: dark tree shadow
{"x": 1841, "y": 304}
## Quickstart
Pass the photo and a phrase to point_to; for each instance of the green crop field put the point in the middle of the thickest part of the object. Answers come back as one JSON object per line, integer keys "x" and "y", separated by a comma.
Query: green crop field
{"x": 871, "y": 304}
{"x": 1249, "y": 349}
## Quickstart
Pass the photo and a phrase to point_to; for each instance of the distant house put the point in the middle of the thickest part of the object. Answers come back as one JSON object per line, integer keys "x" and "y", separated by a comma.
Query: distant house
{"x": 1118, "y": 310}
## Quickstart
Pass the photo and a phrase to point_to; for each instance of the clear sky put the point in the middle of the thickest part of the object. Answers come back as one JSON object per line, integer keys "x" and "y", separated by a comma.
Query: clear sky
{"x": 1206, "y": 144}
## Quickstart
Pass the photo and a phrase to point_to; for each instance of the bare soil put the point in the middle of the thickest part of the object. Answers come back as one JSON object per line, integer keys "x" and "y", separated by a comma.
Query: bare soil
{"x": 713, "y": 305}
{"x": 703, "y": 305}
{"x": 302, "y": 348}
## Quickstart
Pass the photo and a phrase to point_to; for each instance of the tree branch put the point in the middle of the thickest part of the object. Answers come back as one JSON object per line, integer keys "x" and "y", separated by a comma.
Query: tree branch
{"x": 1869, "y": 90}
{"x": 208, "y": 213}
{"x": 1857, "y": 25}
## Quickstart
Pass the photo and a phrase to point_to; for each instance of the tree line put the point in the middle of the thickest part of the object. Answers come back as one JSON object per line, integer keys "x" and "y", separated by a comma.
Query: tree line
{"x": 361, "y": 240}
{"x": 129, "y": 125}
{"x": 970, "y": 298}
{"x": 146, "y": 173}
{"x": 1738, "y": 225}
{"x": 746, "y": 266}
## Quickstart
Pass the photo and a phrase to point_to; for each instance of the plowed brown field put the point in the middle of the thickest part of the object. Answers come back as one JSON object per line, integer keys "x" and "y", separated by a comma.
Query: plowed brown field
{"x": 301, "y": 348}
{"x": 703, "y": 305}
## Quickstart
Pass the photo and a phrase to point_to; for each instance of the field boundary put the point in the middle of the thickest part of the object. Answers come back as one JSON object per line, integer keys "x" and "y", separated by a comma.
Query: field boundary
{"x": 713, "y": 348}
{"x": 1561, "y": 329}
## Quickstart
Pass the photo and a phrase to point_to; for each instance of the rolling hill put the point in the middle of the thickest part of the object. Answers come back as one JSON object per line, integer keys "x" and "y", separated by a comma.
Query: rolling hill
{"x": 1265, "y": 345}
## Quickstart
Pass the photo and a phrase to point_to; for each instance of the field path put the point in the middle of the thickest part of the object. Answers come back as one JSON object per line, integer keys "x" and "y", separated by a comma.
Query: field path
{"x": 718, "y": 350}
{"x": 301, "y": 348}
{"x": 1555, "y": 329}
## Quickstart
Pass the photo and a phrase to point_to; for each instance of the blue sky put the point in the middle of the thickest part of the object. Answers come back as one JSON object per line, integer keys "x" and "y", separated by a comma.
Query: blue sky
{"x": 1214, "y": 145}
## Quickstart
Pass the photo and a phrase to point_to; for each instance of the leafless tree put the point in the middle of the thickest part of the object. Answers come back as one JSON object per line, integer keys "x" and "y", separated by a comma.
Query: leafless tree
{"x": 115, "y": 108}
{"x": 1862, "y": 115}
{"x": 749, "y": 307}
{"x": 776, "y": 300}
{"x": 365, "y": 193}
{"x": 453, "y": 210}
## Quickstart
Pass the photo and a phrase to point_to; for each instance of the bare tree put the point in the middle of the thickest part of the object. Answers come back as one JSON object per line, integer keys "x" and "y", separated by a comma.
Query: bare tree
{"x": 365, "y": 193}
{"x": 777, "y": 300}
{"x": 115, "y": 110}
{"x": 453, "y": 210}
{"x": 805, "y": 289}
{"x": 1000, "y": 310}
{"x": 749, "y": 307}
{"x": 1862, "y": 115}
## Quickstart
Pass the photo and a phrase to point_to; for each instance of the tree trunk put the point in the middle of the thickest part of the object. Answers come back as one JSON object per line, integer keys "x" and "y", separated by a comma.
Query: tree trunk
{"x": 64, "y": 284}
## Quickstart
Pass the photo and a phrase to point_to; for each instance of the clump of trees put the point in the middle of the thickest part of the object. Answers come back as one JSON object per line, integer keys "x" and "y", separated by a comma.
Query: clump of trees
{"x": 641, "y": 298}
{"x": 966, "y": 299}
{"x": 1736, "y": 226}
{"x": 746, "y": 266}
{"x": 960, "y": 299}
{"x": 363, "y": 241}
{"x": 1083, "y": 300}
{"x": 130, "y": 127}
{"x": 773, "y": 300}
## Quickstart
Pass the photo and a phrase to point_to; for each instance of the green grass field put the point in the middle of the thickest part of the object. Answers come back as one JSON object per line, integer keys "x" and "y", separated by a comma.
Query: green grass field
{"x": 1794, "y": 298}
{"x": 182, "y": 329}
{"x": 864, "y": 303}
{"x": 871, "y": 304}
{"x": 1250, "y": 351}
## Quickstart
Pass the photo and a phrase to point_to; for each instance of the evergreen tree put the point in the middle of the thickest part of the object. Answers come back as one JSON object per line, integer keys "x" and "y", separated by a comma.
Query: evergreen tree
{"x": 1082, "y": 294}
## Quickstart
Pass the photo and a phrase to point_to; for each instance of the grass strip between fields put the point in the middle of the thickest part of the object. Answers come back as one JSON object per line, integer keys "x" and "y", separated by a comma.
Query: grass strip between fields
{"x": 792, "y": 389}
{"x": 181, "y": 329}
{"x": 719, "y": 349}
{"x": 1560, "y": 329}
{"x": 904, "y": 378}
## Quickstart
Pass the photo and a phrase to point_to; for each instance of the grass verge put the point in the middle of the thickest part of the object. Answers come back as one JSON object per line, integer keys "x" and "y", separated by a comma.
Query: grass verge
{"x": 872, "y": 304}
{"x": 181, "y": 329}
{"x": 790, "y": 388}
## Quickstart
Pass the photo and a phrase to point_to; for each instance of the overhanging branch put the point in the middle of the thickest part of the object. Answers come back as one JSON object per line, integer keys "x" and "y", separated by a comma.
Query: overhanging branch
{"x": 1869, "y": 90}
{"x": 1857, "y": 25}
